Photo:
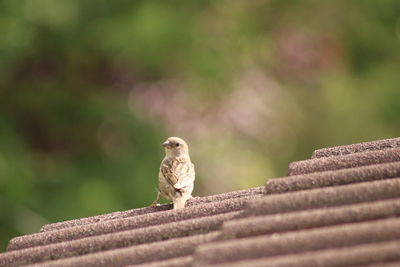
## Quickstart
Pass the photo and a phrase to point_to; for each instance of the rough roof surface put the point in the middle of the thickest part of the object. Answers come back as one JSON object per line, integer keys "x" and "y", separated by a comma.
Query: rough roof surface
{"x": 339, "y": 208}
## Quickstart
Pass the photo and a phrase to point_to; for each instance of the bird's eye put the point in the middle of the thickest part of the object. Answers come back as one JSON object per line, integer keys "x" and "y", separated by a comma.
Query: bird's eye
{"x": 177, "y": 144}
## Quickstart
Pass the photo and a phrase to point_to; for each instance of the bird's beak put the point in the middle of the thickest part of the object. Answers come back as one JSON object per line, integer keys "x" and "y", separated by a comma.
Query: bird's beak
{"x": 166, "y": 144}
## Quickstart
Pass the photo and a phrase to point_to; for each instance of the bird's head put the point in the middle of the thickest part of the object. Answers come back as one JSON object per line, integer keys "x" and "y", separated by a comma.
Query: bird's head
{"x": 175, "y": 147}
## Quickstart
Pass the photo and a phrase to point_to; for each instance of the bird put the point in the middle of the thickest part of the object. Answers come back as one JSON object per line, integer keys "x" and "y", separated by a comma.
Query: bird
{"x": 176, "y": 176}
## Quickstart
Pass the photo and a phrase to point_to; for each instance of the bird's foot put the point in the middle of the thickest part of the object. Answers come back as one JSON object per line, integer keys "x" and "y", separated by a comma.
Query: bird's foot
{"x": 155, "y": 204}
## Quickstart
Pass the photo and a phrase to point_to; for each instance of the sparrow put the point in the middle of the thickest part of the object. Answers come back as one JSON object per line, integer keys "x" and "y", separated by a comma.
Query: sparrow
{"x": 176, "y": 175}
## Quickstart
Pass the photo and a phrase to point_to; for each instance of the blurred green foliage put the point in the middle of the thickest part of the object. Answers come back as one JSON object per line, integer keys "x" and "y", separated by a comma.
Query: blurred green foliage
{"x": 86, "y": 98}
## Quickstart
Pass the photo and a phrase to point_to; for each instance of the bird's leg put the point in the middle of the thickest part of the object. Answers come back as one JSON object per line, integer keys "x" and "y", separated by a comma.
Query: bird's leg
{"x": 155, "y": 202}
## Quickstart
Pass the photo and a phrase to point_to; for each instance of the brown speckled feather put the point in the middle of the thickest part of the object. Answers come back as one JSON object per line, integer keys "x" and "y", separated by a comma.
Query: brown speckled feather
{"x": 177, "y": 171}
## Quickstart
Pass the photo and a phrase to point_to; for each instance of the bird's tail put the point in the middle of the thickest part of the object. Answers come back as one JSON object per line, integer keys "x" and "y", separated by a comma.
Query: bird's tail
{"x": 179, "y": 202}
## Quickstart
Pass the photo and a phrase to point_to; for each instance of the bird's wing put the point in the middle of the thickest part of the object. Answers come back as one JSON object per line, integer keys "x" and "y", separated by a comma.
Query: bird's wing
{"x": 179, "y": 172}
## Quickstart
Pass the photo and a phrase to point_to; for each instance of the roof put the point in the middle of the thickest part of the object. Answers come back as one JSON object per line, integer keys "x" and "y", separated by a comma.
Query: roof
{"x": 339, "y": 208}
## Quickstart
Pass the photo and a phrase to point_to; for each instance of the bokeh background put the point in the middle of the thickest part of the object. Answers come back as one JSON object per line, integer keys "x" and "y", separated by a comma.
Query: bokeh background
{"x": 89, "y": 90}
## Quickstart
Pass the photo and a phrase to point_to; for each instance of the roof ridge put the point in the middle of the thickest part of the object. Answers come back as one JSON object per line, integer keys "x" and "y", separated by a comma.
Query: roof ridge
{"x": 324, "y": 197}
{"x": 130, "y": 223}
{"x": 358, "y": 147}
{"x": 131, "y": 237}
{"x": 344, "y": 161}
{"x": 332, "y": 178}
{"x": 146, "y": 210}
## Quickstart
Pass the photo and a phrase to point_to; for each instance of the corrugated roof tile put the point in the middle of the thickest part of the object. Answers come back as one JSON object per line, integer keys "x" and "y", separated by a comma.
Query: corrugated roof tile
{"x": 355, "y": 148}
{"x": 345, "y": 161}
{"x": 120, "y": 239}
{"x": 167, "y": 249}
{"x": 175, "y": 262}
{"x": 325, "y": 197}
{"x": 135, "y": 212}
{"x": 383, "y": 264}
{"x": 358, "y": 255}
{"x": 306, "y": 219}
{"x": 298, "y": 241}
{"x": 340, "y": 208}
{"x": 127, "y": 223}
{"x": 333, "y": 178}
